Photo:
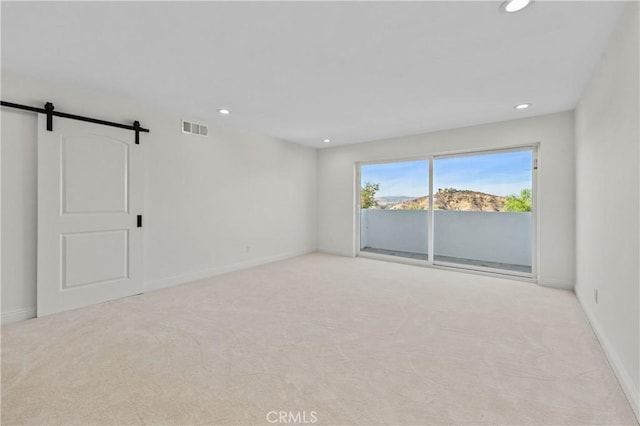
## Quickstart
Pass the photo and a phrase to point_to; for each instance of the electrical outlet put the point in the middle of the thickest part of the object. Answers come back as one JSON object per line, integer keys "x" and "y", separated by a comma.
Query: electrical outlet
{"x": 595, "y": 295}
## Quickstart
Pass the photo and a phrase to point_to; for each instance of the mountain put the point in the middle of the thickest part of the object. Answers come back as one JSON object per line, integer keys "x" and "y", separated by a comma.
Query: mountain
{"x": 455, "y": 199}
{"x": 392, "y": 200}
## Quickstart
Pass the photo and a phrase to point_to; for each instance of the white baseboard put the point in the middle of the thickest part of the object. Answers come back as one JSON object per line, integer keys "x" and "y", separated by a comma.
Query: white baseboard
{"x": 555, "y": 283}
{"x": 336, "y": 252}
{"x": 206, "y": 273}
{"x": 623, "y": 376}
{"x": 18, "y": 315}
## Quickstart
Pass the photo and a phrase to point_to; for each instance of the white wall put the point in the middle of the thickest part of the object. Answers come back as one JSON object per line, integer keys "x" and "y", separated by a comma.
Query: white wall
{"x": 206, "y": 199}
{"x": 556, "y": 183}
{"x": 608, "y": 202}
{"x": 19, "y": 214}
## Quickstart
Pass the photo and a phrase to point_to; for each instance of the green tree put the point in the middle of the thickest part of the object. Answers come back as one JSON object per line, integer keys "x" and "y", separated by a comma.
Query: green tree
{"x": 522, "y": 203}
{"x": 368, "y": 194}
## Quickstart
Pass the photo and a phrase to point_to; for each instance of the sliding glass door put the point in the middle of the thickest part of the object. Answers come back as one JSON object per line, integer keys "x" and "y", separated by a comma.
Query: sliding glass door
{"x": 394, "y": 208}
{"x": 483, "y": 210}
{"x": 478, "y": 213}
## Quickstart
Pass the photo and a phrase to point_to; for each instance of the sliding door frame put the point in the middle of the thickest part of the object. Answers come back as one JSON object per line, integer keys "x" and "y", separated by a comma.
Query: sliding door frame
{"x": 357, "y": 215}
{"x": 534, "y": 148}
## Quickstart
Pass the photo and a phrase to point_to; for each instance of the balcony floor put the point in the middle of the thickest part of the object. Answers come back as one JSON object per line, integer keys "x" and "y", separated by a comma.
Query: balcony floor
{"x": 449, "y": 259}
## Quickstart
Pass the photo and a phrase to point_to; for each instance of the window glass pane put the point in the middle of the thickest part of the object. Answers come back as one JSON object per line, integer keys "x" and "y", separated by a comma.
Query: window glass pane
{"x": 394, "y": 203}
{"x": 482, "y": 210}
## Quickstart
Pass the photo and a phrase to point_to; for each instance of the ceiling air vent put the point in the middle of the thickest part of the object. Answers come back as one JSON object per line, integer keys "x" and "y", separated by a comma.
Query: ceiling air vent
{"x": 194, "y": 128}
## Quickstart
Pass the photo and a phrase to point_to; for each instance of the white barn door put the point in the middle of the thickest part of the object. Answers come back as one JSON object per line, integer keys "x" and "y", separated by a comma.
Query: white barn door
{"x": 89, "y": 196}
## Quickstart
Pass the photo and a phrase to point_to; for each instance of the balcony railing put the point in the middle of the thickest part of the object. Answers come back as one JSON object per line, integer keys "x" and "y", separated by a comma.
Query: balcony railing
{"x": 496, "y": 238}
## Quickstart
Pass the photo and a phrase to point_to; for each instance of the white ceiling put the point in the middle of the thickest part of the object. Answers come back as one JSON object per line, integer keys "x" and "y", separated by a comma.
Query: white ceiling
{"x": 306, "y": 71}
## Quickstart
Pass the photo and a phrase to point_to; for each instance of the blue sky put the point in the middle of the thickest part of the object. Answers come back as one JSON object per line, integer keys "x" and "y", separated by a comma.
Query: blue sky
{"x": 500, "y": 174}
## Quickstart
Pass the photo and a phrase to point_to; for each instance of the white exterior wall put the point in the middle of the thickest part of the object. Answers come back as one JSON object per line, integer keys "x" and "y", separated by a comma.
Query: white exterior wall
{"x": 490, "y": 236}
{"x": 402, "y": 230}
{"x": 502, "y": 237}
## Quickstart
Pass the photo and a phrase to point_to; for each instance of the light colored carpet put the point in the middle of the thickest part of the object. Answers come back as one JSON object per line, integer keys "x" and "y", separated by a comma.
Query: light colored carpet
{"x": 356, "y": 341}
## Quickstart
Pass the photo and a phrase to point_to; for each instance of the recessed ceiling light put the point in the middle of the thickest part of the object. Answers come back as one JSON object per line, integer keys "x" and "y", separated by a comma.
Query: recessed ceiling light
{"x": 326, "y": 140}
{"x": 522, "y": 106}
{"x": 224, "y": 111}
{"x": 511, "y": 6}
